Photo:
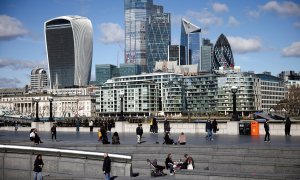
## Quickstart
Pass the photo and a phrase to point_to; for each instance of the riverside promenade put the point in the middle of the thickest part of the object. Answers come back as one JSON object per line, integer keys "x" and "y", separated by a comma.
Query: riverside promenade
{"x": 227, "y": 157}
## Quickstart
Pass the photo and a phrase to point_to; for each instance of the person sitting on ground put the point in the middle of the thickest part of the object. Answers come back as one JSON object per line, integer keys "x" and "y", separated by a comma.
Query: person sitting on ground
{"x": 190, "y": 163}
{"x": 115, "y": 138}
{"x": 32, "y": 134}
{"x": 167, "y": 139}
{"x": 35, "y": 137}
{"x": 182, "y": 139}
{"x": 170, "y": 164}
{"x": 158, "y": 167}
{"x": 188, "y": 160}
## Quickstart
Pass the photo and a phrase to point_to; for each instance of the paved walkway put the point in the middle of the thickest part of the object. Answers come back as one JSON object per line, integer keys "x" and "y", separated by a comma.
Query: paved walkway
{"x": 87, "y": 138}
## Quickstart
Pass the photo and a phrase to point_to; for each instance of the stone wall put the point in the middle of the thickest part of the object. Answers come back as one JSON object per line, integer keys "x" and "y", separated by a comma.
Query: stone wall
{"x": 229, "y": 127}
{"x": 16, "y": 166}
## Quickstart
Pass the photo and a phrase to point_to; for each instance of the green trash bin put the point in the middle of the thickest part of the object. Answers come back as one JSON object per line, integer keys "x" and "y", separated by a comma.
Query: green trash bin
{"x": 245, "y": 128}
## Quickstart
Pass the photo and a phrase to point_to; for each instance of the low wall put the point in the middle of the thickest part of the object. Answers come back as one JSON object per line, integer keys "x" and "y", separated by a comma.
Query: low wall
{"x": 229, "y": 127}
{"x": 16, "y": 164}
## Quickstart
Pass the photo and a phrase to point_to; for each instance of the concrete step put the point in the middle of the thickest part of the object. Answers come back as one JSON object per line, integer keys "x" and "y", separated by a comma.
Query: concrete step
{"x": 225, "y": 175}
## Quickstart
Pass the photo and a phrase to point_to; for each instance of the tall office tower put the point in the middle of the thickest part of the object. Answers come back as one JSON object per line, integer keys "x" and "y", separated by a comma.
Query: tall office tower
{"x": 177, "y": 53}
{"x": 222, "y": 55}
{"x": 206, "y": 55}
{"x": 69, "y": 45}
{"x": 105, "y": 72}
{"x": 159, "y": 37}
{"x": 142, "y": 22}
{"x": 190, "y": 38}
{"x": 38, "y": 78}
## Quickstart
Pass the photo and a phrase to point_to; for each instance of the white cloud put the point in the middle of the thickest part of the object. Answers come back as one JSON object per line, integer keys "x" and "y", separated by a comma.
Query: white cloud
{"x": 254, "y": 14}
{"x": 20, "y": 64}
{"x": 111, "y": 33}
{"x": 232, "y": 22}
{"x": 242, "y": 45}
{"x": 11, "y": 27}
{"x": 292, "y": 50}
{"x": 297, "y": 24}
{"x": 9, "y": 82}
{"x": 206, "y": 18}
{"x": 287, "y": 8}
{"x": 219, "y": 8}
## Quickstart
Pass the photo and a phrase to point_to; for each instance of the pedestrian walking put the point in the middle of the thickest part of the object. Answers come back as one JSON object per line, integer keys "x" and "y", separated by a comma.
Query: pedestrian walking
{"x": 166, "y": 125}
{"x": 37, "y": 168}
{"x": 106, "y": 166}
{"x": 53, "y": 132}
{"x": 77, "y": 124}
{"x": 288, "y": 124}
{"x": 139, "y": 133}
{"x": 155, "y": 125}
{"x": 267, "y": 129}
{"x": 208, "y": 128}
{"x": 215, "y": 126}
{"x": 151, "y": 125}
{"x": 91, "y": 125}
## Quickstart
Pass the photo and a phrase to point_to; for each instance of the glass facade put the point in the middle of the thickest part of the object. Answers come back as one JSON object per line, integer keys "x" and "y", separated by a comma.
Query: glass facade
{"x": 206, "y": 55}
{"x": 190, "y": 38}
{"x": 69, "y": 50}
{"x": 222, "y": 54}
{"x": 177, "y": 53}
{"x": 159, "y": 38}
{"x": 136, "y": 19}
{"x": 105, "y": 72}
{"x": 143, "y": 23}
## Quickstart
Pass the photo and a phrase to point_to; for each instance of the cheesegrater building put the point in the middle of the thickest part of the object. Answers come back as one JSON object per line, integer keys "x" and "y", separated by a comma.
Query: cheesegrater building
{"x": 69, "y": 45}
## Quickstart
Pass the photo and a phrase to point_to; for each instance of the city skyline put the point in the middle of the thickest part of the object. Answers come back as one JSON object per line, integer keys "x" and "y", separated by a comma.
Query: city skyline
{"x": 264, "y": 35}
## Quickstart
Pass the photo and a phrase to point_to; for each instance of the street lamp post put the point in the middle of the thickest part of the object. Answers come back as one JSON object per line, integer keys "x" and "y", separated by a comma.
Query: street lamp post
{"x": 234, "y": 114}
{"x": 36, "y": 100}
{"x": 51, "y": 115}
{"x": 121, "y": 106}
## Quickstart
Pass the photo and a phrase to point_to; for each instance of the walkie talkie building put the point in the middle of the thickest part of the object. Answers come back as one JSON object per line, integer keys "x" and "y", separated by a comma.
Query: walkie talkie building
{"x": 69, "y": 45}
{"x": 222, "y": 55}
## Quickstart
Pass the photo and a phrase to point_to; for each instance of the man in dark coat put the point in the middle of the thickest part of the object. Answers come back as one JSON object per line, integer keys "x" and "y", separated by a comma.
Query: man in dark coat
{"x": 166, "y": 125}
{"x": 106, "y": 166}
{"x": 139, "y": 133}
{"x": 208, "y": 128}
{"x": 267, "y": 129}
{"x": 155, "y": 126}
{"x": 288, "y": 126}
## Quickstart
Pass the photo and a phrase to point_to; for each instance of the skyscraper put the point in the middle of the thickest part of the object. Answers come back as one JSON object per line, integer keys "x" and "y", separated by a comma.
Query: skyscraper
{"x": 159, "y": 37}
{"x": 69, "y": 45}
{"x": 206, "y": 55}
{"x": 222, "y": 54}
{"x": 177, "y": 53}
{"x": 190, "y": 38}
{"x": 144, "y": 22}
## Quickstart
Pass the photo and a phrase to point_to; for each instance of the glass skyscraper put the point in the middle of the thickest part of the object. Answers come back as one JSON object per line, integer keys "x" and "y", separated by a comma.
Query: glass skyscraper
{"x": 159, "y": 30}
{"x": 146, "y": 29}
{"x": 190, "y": 38}
{"x": 222, "y": 54}
{"x": 206, "y": 55}
{"x": 69, "y": 45}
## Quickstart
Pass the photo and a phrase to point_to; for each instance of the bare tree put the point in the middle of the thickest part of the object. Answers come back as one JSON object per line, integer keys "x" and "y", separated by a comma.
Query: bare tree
{"x": 292, "y": 101}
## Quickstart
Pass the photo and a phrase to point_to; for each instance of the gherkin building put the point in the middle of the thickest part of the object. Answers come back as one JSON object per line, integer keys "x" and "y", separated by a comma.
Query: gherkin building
{"x": 222, "y": 54}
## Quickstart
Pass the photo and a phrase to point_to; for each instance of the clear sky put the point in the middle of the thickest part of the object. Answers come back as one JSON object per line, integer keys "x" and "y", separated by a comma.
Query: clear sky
{"x": 264, "y": 35}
